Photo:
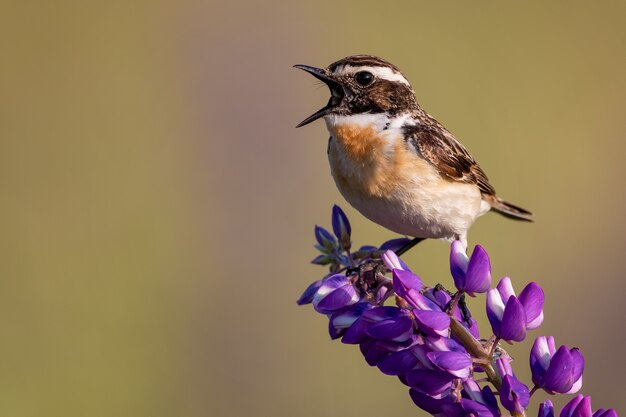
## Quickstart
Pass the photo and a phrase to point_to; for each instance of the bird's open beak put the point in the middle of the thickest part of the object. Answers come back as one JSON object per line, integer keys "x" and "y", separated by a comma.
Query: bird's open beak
{"x": 336, "y": 91}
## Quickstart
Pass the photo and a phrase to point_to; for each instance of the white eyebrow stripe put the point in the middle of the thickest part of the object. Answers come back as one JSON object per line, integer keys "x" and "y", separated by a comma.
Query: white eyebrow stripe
{"x": 380, "y": 72}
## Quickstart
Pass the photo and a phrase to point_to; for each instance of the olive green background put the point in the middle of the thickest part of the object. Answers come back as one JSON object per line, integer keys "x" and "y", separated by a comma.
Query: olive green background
{"x": 157, "y": 204}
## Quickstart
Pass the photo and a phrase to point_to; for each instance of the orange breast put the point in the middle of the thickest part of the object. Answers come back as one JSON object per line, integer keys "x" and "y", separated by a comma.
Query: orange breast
{"x": 360, "y": 143}
{"x": 372, "y": 163}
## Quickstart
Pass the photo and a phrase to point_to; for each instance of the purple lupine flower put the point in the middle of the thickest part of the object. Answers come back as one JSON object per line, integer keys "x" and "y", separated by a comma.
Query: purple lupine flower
{"x": 510, "y": 316}
{"x": 442, "y": 300}
{"x": 417, "y": 340}
{"x": 325, "y": 240}
{"x": 341, "y": 320}
{"x": 449, "y": 406}
{"x": 405, "y": 281}
{"x": 546, "y": 409}
{"x": 580, "y": 406}
{"x": 392, "y": 261}
{"x": 309, "y": 293}
{"x": 429, "y": 353}
{"x": 514, "y": 395}
{"x": 556, "y": 370}
{"x": 405, "y": 360}
{"x": 471, "y": 275}
{"x": 341, "y": 227}
{"x": 388, "y": 323}
{"x": 605, "y": 413}
{"x": 375, "y": 351}
{"x": 334, "y": 293}
{"x": 444, "y": 406}
{"x": 429, "y": 316}
{"x": 449, "y": 356}
{"x": 431, "y": 382}
{"x": 484, "y": 401}
{"x": 432, "y": 322}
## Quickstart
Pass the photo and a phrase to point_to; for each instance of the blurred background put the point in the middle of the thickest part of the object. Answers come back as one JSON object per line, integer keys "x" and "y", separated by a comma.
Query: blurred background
{"x": 157, "y": 205}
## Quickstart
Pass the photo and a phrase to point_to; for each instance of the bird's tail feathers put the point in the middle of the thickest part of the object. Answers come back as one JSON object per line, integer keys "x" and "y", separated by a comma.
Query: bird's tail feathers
{"x": 510, "y": 210}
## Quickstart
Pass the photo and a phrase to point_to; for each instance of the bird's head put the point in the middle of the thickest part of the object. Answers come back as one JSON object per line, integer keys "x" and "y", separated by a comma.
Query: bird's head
{"x": 362, "y": 84}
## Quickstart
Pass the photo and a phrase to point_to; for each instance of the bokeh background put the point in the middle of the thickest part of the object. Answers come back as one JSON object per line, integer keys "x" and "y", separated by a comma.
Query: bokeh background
{"x": 157, "y": 204}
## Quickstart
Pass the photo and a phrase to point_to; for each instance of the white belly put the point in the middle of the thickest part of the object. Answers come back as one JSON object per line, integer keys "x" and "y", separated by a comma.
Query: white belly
{"x": 421, "y": 210}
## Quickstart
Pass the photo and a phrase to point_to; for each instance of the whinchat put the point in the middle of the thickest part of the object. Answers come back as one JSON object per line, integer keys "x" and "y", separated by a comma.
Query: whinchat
{"x": 394, "y": 162}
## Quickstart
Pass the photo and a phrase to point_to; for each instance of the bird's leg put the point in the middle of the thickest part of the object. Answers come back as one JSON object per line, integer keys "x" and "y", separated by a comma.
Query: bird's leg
{"x": 409, "y": 245}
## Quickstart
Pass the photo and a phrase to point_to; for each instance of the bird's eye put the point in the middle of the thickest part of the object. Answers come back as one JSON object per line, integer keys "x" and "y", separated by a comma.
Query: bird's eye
{"x": 364, "y": 78}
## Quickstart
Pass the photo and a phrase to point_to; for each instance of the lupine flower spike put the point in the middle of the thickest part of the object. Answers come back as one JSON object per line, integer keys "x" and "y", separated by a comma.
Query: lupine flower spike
{"x": 417, "y": 332}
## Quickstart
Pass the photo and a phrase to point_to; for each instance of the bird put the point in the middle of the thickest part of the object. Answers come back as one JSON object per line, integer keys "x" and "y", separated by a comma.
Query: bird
{"x": 396, "y": 164}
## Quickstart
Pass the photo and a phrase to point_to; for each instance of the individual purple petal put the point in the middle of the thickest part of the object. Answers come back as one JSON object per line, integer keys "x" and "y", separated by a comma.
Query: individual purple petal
{"x": 429, "y": 381}
{"x": 336, "y": 298}
{"x": 439, "y": 297}
{"x": 380, "y": 295}
{"x": 394, "y": 244}
{"x": 605, "y": 413}
{"x": 583, "y": 409}
{"x": 558, "y": 378}
{"x": 514, "y": 395}
{"x": 373, "y": 351}
{"x": 398, "y": 329}
{"x": 356, "y": 333}
{"x": 532, "y": 298}
{"x": 321, "y": 260}
{"x": 443, "y": 406}
{"x": 474, "y": 408}
{"x": 324, "y": 238}
{"x": 478, "y": 275}
{"x": 422, "y": 302}
{"x": 457, "y": 364}
{"x": 434, "y": 323}
{"x": 495, "y": 310}
{"x": 341, "y": 227}
{"x": 384, "y": 313}
{"x": 404, "y": 280}
{"x": 341, "y": 320}
{"x": 444, "y": 344}
{"x": 570, "y": 407}
{"x": 503, "y": 365}
{"x": 392, "y": 261}
{"x": 577, "y": 371}
{"x": 387, "y": 322}
{"x": 505, "y": 288}
{"x": 484, "y": 397}
{"x": 399, "y": 362}
{"x": 458, "y": 264}
{"x": 330, "y": 284}
{"x": 309, "y": 293}
{"x": 540, "y": 356}
{"x": 551, "y": 345}
{"x": 489, "y": 399}
{"x": 546, "y": 409}
{"x": 513, "y": 327}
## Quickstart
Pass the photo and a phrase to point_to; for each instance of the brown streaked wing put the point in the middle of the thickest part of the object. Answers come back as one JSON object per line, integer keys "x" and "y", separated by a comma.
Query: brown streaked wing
{"x": 441, "y": 149}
